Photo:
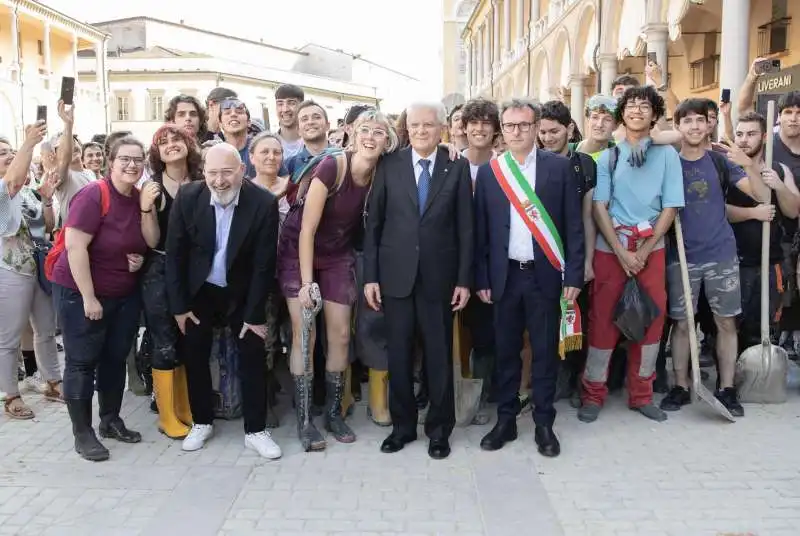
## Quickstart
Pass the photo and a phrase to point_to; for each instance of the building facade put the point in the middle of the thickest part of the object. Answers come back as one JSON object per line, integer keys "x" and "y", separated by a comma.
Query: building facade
{"x": 38, "y": 46}
{"x": 570, "y": 49}
{"x": 151, "y": 60}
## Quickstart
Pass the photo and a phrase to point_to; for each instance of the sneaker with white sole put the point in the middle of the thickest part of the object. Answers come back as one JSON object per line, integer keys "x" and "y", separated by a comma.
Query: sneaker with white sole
{"x": 262, "y": 443}
{"x": 198, "y": 435}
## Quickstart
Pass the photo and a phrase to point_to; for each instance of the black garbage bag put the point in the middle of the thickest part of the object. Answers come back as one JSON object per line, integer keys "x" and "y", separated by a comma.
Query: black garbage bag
{"x": 635, "y": 311}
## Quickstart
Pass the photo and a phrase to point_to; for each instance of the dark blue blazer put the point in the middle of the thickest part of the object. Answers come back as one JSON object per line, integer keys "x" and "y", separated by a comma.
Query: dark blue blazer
{"x": 559, "y": 190}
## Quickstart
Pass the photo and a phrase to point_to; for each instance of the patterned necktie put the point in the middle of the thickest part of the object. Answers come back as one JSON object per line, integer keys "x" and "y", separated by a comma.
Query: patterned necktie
{"x": 424, "y": 184}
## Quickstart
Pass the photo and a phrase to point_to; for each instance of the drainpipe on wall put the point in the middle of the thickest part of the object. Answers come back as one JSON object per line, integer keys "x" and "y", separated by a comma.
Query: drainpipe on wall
{"x": 104, "y": 66}
{"x": 19, "y": 131}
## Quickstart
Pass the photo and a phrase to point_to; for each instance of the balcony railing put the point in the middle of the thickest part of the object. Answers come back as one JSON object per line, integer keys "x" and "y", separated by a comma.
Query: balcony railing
{"x": 773, "y": 37}
{"x": 705, "y": 72}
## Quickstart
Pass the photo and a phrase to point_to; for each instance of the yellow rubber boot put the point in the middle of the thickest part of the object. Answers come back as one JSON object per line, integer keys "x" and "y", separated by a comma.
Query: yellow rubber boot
{"x": 379, "y": 397}
{"x": 348, "y": 402}
{"x": 164, "y": 389}
{"x": 182, "y": 409}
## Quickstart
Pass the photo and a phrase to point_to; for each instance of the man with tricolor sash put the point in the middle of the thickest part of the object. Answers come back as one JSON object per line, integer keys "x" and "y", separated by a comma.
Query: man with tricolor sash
{"x": 530, "y": 265}
{"x": 639, "y": 189}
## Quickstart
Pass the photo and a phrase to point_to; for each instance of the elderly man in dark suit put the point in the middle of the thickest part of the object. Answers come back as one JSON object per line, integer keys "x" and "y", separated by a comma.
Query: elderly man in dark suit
{"x": 418, "y": 267}
{"x": 529, "y": 246}
{"x": 221, "y": 248}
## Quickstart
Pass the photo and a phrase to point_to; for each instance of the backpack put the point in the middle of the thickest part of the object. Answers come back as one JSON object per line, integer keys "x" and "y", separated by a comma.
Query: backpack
{"x": 59, "y": 236}
{"x": 302, "y": 177}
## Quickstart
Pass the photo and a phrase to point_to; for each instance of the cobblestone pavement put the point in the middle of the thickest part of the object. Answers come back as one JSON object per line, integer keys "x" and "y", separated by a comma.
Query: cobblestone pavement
{"x": 622, "y": 475}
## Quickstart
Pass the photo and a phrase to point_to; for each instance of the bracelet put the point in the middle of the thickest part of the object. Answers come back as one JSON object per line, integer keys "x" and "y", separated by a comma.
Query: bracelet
{"x": 146, "y": 211}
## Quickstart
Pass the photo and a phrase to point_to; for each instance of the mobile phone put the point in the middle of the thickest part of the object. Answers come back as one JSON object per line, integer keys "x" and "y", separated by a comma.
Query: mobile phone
{"x": 652, "y": 57}
{"x": 41, "y": 113}
{"x": 67, "y": 89}
{"x": 725, "y": 98}
{"x": 768, "y": 66}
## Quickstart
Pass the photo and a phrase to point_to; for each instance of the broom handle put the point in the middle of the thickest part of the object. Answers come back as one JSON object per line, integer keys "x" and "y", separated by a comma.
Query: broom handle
{"x": 765, "y": 227}
{"x": 687, "y": 298}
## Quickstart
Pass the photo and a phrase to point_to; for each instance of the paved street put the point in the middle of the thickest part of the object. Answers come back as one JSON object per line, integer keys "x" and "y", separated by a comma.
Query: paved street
{"x": 621, "y": 476}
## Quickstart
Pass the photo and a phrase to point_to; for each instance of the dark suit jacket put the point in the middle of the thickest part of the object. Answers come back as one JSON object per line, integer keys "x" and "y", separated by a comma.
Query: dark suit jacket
{"x": 252, "y": 249}
{"x": 400, "y": 244}
{"x": 559, "y": 191}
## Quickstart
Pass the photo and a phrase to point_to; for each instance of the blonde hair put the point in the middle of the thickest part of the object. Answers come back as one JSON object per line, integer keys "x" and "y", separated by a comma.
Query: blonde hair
{"x": 378, "y": 117}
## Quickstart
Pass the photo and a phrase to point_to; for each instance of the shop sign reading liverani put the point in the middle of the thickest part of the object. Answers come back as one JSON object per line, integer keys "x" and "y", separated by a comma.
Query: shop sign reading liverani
{"x": 772, "y": 86}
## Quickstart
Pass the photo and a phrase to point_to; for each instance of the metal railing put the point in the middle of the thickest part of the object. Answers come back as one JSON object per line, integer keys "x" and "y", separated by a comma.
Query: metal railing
{"x": 773, "y": 37}
{"x": 705, "y": 72}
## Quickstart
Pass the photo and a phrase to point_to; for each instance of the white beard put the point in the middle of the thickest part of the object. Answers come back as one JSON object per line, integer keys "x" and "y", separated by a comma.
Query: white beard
{"x": 224, "y": 198}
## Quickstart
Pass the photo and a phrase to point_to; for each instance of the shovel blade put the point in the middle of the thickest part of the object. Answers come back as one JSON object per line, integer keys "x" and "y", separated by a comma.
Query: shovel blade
{"x": 467, "y": 398}
{"x": 708, "y": 397}
{"x": 761, "y": 374}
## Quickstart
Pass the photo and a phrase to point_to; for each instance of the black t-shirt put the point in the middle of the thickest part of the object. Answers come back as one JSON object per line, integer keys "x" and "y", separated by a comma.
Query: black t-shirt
{"x": 163, "y": 205}
{"x": 781, "y": 153}
{"x": 748, "y": 232}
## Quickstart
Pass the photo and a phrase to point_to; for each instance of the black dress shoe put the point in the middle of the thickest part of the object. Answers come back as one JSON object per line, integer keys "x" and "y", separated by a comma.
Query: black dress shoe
{"x": 395, "y": 443}
{"x": 439, "y": 449}
{"x": 503, "y": 432}
{"x": 547, "y": 441}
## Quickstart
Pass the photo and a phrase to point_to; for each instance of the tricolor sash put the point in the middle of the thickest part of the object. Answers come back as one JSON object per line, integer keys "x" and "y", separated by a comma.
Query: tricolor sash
{"x": 541, "y": 226}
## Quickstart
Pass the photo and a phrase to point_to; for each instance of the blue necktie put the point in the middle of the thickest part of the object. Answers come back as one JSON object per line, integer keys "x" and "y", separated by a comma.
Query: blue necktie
{"x": 423, "y": 185}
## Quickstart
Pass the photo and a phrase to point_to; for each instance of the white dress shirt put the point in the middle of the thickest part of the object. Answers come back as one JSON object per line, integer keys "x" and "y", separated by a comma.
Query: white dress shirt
{"x": 520, "y": 239}
{"x": 224, "y": 216}
{"x": 415, "y": 158}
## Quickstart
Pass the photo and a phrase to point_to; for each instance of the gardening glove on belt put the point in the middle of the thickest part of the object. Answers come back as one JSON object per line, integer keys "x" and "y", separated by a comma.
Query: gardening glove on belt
{"x": 639, "y": 153}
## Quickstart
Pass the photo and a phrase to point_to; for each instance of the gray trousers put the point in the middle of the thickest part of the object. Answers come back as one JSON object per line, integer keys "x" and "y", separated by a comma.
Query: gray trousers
{"x": 22, "y": 301}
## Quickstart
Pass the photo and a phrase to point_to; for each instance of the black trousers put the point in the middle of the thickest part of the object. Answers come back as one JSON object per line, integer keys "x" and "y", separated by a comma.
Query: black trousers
{"x": 212, "y": 307}
{"x": 433, "y": 320}
{"x": 524, "y": 305}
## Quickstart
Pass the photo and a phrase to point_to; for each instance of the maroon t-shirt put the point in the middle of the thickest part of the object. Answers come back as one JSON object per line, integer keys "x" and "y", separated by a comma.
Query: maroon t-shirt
{"x": 113, "y": 236}
{"x": 340, "y": 221}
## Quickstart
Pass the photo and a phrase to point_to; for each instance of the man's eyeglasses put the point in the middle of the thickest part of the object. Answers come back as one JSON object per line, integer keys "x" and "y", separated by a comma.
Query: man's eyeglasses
{"x": 642, "y": 107}
{"x": 509, "y": 128}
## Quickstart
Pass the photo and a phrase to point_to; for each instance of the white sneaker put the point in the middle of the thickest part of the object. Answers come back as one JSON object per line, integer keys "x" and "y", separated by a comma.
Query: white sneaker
{"x": 34, "y": 384}
{"x": 262, "y": 443}
{"x": 198, "y": 435}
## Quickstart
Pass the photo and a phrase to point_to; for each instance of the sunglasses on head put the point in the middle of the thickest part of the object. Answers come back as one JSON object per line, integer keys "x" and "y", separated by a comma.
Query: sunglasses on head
{"x": 227, "y": 104}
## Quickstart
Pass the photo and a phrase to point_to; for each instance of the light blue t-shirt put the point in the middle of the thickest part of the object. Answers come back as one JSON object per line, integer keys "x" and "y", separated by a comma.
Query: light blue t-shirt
{"x": 640, "y": 194}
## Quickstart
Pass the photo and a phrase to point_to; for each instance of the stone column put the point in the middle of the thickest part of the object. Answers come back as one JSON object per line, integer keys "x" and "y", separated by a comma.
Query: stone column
{"x": 468, "y": 77}
{"x": 74, "y": 66}
{"x": 48, "y": 57}
{"x": 495, "y": 36}
{"x": 520, "y": 21}
{"x": 576, "y": 86}
{"x": 608, "y": 72}
{"x": 735, "y": 38}
{"x": 506, "y": 26}
{"x": 657, "y": 41}
{"x": 15, "y": 39}
{"x": 487, "y": 53}
{"x": 535, "y": 8}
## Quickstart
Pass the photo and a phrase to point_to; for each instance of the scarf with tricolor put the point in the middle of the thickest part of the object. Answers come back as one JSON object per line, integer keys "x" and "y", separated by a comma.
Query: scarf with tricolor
{"x": 532, "y": 211}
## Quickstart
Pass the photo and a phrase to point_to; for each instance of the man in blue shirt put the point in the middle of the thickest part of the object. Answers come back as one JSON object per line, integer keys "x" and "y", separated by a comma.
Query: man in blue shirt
{"x": 312, "y": 120}
{"x": 710, "y": 250}
{"x": 234, "y": 119}
{"x": 639, "y": 189}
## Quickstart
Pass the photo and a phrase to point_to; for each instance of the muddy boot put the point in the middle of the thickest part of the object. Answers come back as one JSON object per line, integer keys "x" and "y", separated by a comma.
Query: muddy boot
{"x": 348, "y": 399}
{"x": 86, "y": 443}
{"x": 378, "y": 409}
{"x": 335, "y": 387}
{"x": 135, "y": 383}
{"x": 309, "y": 436}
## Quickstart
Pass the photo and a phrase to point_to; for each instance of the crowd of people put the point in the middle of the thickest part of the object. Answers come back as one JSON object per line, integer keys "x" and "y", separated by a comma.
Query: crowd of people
{"x": 350, "y": 250}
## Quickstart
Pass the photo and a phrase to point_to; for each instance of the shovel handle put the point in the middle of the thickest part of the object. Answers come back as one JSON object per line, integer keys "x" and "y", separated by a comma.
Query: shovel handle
{"x": 687, "y": 298}
{"x": 765, "y": 228}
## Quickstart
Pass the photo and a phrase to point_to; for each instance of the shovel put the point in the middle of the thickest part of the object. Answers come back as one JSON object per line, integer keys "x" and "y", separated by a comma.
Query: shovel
{"x": 698, "y": 389}
{"x": 762, "y": 370}
{"x": 467, "y": 391}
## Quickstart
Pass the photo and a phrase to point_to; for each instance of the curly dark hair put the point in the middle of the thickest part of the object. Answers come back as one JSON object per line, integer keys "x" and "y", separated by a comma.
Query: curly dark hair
{"x": 172, "y": 109}
{"x": 481, "y": 109}
{"x": 194, "y": 160}
{"x": 645, "y": 93}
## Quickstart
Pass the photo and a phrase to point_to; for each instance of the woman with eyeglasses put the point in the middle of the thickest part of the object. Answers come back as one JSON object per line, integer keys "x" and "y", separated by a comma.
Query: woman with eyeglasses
{"x": 174, "y": 160}
{"x": 316, "y": 247}
{"x": 27, "y": 218}
{"x": 97, "y": 282}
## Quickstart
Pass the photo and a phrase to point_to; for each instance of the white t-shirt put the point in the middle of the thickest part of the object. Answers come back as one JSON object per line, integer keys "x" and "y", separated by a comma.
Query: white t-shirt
{"x": 74, "y": 182}
{"x": 291, "y": 148}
